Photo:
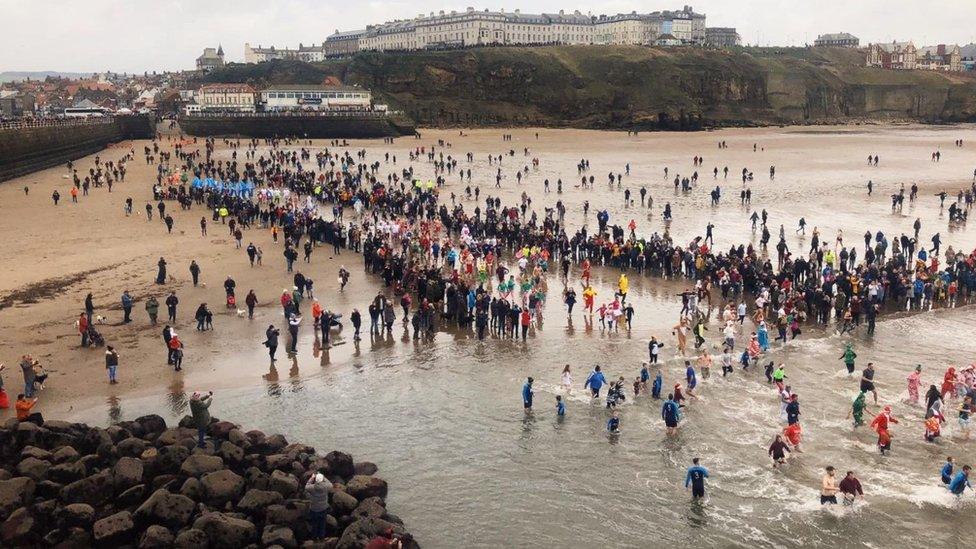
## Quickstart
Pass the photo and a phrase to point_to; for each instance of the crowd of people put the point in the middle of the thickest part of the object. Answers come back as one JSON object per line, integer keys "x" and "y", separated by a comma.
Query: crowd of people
{"x": 473, "y": 263}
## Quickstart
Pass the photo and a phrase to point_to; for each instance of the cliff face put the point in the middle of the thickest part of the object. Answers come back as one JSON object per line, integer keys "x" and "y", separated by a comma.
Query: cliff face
{"x": 632, "y": 86}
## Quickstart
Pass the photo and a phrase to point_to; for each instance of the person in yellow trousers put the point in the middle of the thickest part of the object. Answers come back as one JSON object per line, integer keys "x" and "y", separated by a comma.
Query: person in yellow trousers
{"x": 622, "y": 286}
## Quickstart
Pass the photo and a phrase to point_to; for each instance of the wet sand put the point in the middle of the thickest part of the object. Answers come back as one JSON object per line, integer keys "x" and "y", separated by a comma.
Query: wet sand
{"x": 55, "y": 255}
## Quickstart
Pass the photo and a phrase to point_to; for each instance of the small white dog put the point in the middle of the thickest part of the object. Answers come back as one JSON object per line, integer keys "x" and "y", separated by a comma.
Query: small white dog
{"x": 241, "y": 313}
{"x": 99, "y": 319}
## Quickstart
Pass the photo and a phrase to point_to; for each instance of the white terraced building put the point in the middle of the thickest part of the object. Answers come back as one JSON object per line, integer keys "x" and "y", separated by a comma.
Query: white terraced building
{"x": 473, "y": 28}
{"x": 485, "y": 28}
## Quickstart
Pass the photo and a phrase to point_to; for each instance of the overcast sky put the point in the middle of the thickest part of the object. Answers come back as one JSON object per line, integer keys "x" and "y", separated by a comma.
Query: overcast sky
{"x": 138, "y": 35}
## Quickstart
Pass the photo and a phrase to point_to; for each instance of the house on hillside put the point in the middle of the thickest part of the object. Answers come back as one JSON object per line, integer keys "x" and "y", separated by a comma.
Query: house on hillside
{"x": 837, "y": 40}
{"x": 894, "y": 55}
{"x": 211, "y": 59}
{"x": 940, "y": 58}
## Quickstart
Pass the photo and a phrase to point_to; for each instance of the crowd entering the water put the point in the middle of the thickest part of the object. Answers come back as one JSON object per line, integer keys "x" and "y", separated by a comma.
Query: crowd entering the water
{"x": 472, "y": 263}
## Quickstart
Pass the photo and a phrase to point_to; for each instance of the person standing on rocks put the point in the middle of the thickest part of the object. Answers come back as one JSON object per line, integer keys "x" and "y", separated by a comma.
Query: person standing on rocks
{"x": 317, "y": 489}
{"x": 200, "y": 408}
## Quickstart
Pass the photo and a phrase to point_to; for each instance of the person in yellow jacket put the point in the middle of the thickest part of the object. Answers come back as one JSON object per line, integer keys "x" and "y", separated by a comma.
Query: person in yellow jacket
{"x": 622, "y": 286}
{"x": 588, "y": 294}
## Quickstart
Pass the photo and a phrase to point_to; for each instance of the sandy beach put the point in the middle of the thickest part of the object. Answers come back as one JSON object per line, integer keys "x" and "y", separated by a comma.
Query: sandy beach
{"x": 55, "y": 255}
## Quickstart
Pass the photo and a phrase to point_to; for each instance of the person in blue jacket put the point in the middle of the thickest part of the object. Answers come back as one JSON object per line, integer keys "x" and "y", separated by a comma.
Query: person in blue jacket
{"x": 961, "y": 481}
{"x": 527, "y": 394}
{"x": 947, "y": 471}
{"x": 613, "y": 424}
{"x": 691, "y": 378}
{"x": 560, "y": 406}
{"x": 595, "y": 381}
{"x": 657, "y": 385}
{"x": 695, "y": 479}
{"x": 671, "y": 414}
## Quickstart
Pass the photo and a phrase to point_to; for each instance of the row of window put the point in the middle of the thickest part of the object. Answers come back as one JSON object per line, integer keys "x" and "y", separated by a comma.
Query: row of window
{"x": 314, "y": 95}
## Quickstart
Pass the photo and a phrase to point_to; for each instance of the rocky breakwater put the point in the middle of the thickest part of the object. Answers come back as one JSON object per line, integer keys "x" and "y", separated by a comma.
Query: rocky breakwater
{"x": 142, "y": 484}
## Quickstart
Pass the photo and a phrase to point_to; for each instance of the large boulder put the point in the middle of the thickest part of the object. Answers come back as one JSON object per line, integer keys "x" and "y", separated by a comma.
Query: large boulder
{"x": 358, "y": 534}
{"x": 68, "y": 472}
{"x": 280, "y": 536}
{"x": 283, "y": 483}
{"x": 65, "y": 454}
{"x": 127, "y": 472}
{"x": 192, "y": 539}
{"x": 364, "y": 486}
{"x": 94, "y": 490}
{"x": 221, "y": 429}
{"x": 37, "y": 453}
{"x": 16, "y": 530}
{"x": 192, "y": 488}
{"x": 340, "y": 464}
{"x": 132, "y": 447}
{"x": 156, "y": 537}
{"x": 225, "y": 531}
{"x": 15, "y": 493}
{"x": 370, "y": 507}
{"x": 169, "y": 459}
{"x": 34, "y": 468}
{"x": 132, "y": 496}
{"x": 222, "y": 486}
{"x": 366, "y": 468}
{"x": 151, "y": 424}
{"x": 81, "y": 515}
{"x": 231, "y": 453}
{"x": 255, "y": 501}
{"x": 47, "y": 489}
{"x": 199, "y": 464}
{"x": 343, "y": 503}
{"x": 114, "y": 529}
{"x": 164, "y": 508}
{"x": 293, "y": 513}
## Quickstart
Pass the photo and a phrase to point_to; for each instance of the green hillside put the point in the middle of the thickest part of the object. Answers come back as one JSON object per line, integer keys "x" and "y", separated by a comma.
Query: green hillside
{"x": 634, "y": 86}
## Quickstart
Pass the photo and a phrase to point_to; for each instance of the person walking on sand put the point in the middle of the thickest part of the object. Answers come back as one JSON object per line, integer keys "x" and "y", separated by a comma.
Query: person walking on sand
{"x": 152, "y": 309}
{"x": 200, "y": 409}
{"x": 111, "y": 364}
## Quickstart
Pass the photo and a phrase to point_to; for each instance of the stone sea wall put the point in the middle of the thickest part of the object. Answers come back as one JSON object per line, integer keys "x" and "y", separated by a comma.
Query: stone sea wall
{"x": 142, "y": 484}
{"x": 27, "y": 149}
{"x": 311, "y": 127}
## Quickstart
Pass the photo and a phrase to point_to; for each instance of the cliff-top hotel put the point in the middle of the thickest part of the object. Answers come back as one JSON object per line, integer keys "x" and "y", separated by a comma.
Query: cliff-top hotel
{"x": 485, "y": 28}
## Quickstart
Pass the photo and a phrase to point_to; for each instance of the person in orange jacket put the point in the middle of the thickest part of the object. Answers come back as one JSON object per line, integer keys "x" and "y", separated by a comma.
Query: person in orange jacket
{"x": 24, "y": 406}
{"x": 176, "y": 351}
{"x": 316, "y": 311}
{"x": 83, "y": 329}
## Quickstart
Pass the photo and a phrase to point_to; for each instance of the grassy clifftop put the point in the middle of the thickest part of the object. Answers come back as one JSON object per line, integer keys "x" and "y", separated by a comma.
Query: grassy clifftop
{"x": 634, "y": 86}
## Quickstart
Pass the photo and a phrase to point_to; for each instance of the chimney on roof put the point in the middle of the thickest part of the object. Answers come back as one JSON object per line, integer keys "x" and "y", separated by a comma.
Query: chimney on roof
{"x": 470, "y": 9}
{"x": 517, "y": 11}
{"x": 561, "y": 12}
